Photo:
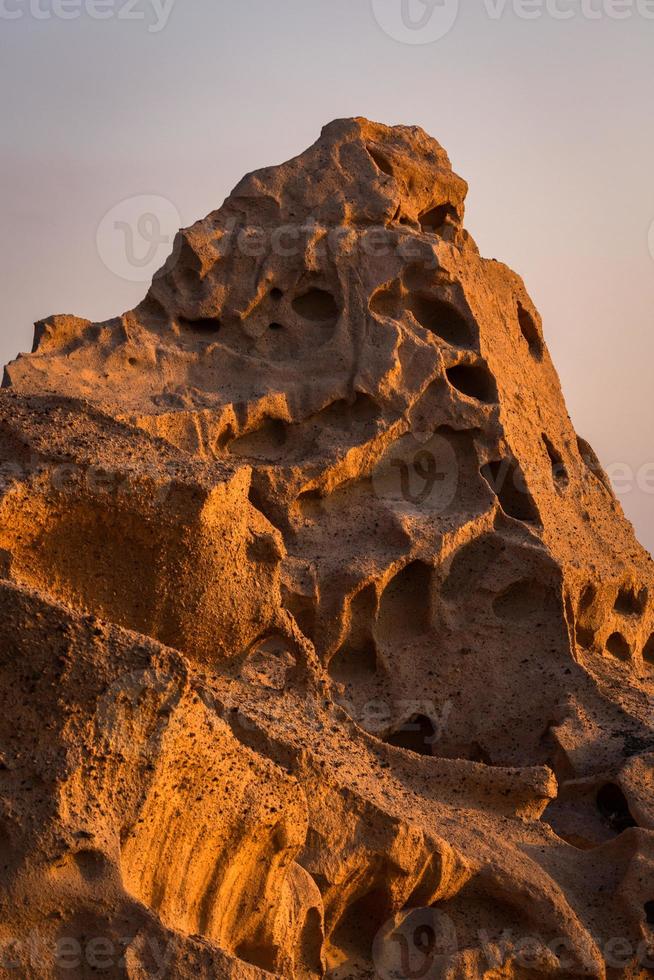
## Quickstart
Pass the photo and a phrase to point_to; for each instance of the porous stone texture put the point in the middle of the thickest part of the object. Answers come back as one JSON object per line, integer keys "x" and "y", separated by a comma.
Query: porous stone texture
{"x": 327, "y": 649}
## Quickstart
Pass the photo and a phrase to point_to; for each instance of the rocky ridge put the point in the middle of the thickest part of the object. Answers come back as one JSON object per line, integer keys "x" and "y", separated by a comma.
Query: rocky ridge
{"x": 328, "y": 649}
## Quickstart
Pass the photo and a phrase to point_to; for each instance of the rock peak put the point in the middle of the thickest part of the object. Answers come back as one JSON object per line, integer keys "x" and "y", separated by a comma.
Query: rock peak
{"x": 324, "y": 629}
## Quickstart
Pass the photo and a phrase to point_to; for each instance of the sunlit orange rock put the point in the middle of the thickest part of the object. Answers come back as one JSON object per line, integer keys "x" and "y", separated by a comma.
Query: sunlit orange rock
{"x": 327, "y": 649}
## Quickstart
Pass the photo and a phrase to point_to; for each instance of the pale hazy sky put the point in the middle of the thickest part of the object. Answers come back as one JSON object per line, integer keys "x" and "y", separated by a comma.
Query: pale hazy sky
{"x": 550, "y": 117}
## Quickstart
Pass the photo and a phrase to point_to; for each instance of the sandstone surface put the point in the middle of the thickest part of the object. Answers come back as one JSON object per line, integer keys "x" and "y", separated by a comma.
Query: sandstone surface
{"x": 327, "y": 648}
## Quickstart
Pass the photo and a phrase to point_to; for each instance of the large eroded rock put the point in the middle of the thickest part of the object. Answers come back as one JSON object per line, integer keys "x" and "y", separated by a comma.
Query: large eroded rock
{"x": 328, "y": 650}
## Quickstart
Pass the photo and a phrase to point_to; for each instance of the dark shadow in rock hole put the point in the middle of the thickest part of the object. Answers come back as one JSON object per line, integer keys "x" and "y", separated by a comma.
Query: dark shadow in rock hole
{"x": 360, "y": 922}
{"x": 559, "y": 472}
{"x": 417, "y": 734}
{"x": 405, "y": 606}
{"x": 506, "y": 480}
{"x": 441, "y": 318}
{"x": 303, "y": 610}
{"x": 530, "y": 332}
{"x": 352, "y": 664}
{"x": 386, "y": 301}
{"x": 629, "y": 602}
{"x": 203, "y": 324}
{"x": 474, "y": 380}
{"x": 433, "y": 221}
{"x": 266, "y": 442}
{"x": 648, "y": 650}
{"x": 589, "y": 456}
{"x": 587, "y": 598}
{"x": 317, "y": 305}
{"x": 381, "y": 160}
{"x": 613, "y": 807}
{"x": 648, "y": 909}
{"x": 618, "y": 647}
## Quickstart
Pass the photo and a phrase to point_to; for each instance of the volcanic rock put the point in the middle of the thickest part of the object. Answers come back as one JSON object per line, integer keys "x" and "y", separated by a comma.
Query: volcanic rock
{"x": 328, "y": 650}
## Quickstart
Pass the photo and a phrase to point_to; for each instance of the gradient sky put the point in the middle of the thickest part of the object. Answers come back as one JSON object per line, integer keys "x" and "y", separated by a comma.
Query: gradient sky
{"x": 551, "y": 121}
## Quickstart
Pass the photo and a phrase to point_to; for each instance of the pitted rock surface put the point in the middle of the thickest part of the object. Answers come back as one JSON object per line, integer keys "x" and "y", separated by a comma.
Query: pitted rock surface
{"x": 327, "y": 648}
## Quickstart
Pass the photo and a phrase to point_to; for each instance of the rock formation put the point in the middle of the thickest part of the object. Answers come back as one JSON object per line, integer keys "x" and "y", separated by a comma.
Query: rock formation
{"x": 328, "y": 651}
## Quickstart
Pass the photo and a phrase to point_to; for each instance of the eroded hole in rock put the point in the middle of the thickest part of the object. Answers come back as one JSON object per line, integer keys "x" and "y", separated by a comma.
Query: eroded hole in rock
{"x": 521, "y": 600}
{"x": 585, "y": 636}
{"x": 357, "y": 927}
{"x": 7, "y": 851}
{"x": 618, "y": 647}
{"x": 530, "y": 332}
{"x": 631, "y": 602}
{"x": 266, "y": 442}
{"x": 613, "y": 807}
{"x": 344, "y": 413}
{"x": 354, "y": 663}
{"x": 203, "y": 324}
{"x": 417, "y": 734}
{"x": 381, "y": 160}
{"x": 559, "y": 471}
{"x": 276, "y": 294}
{"x": 470, "y": 564}
{"x": 441, "y": 318}
{"x": 587, "y": 598}
{"x": 317, "y": 305}
{"x": 477, "y": 753}
{"x": 310, "y": 504}
{"x": 432, "y": 221}
{"x": 386, "y": 301}
{"x": 648, "y": 650}
{"x": 648, "y": 909}
{"x": 593, "y": 464}
{"x": 405, "y": 606}
{"x": 474, "y": 380}
{"x": 257, "y": 955}
{"x": 303, "y": 610}
{"x": 507, "y": 481}
{"x": 275, "y": 326}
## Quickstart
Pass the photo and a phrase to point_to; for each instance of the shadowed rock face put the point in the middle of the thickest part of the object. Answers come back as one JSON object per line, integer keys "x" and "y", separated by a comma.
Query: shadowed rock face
{"x": 327, "y": 649}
